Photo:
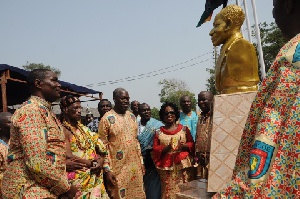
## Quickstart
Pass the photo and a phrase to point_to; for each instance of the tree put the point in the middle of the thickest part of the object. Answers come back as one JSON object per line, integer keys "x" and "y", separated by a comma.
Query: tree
{"x": 211, "y": 84}
{"x": 173, "y": 89}
{"x": 155, "y": 113}
{"x": 31, "y": 66}
{"x": 271, "y": 40}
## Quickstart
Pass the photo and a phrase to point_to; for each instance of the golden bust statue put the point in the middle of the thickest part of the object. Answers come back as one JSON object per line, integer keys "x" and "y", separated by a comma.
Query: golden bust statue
{"x": 237, "y": 66}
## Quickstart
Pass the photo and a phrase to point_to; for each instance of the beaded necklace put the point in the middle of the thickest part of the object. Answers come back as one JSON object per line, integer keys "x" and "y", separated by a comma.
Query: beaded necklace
{"x": 83, "y": 139}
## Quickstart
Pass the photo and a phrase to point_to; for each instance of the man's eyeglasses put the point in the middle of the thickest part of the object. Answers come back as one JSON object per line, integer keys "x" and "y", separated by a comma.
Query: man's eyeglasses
{"x": 167, "y": 113}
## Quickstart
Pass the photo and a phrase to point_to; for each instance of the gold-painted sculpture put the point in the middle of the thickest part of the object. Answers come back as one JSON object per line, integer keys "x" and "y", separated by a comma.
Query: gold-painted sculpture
{"x": 237, "y": 66}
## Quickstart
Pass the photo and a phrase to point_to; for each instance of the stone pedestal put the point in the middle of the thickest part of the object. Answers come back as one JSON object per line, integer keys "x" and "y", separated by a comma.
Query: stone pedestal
{"x": 194, "y": 190}
{"x": 230, "y": 114}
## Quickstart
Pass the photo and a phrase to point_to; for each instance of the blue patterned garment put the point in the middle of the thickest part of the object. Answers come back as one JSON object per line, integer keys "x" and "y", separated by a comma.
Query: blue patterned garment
{"x": 151, "y": 177}
{"x": 93, "y": 125}
{"x": 190, "y": 122}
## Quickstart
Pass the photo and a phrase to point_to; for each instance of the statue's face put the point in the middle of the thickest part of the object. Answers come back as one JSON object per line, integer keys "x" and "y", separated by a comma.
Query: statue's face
{"x": 219, "y": 33}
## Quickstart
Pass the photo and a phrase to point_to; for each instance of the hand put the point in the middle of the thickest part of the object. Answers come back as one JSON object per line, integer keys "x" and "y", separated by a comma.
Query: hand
{"x": 203, "y": 158}
{"x": 111, "y": 179}
{"x": 183, "y": 146}
{"x": 166, "y": 149}
{"x": 73, "y": 164}
{"x": 98, "y": 151}
{"x": 70, "y": 194}
{"x": 96, "y": 169}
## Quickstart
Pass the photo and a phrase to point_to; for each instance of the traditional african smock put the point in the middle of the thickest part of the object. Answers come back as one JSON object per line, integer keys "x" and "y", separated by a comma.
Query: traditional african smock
{"x": 37, "y": 154}
{"x": 190, "y": 121}
{"x": 119, "y": 133}
{"x": 202, "y": 145}
{"x": 3, "y": 158}
{"x": 268, "y": 160}
{"x": 151, "y": 177}
{"x": 174, "y": 167}
{"x": 83, "y": 144}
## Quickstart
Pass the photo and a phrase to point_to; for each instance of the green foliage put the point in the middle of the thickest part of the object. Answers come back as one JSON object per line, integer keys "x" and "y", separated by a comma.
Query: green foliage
{"x": 31, "y": 66}
{"x": 173, "y": 89}
{"x": 155, "y": 113}
{"x": 211, "y": 84}
{"x": 272, "y": 40}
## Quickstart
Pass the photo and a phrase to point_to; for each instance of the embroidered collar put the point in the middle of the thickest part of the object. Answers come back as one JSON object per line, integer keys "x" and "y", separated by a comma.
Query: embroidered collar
{"x": 41, "y": 101}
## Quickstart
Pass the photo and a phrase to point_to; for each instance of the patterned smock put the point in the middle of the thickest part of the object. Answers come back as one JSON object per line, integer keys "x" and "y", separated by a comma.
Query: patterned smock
{"x": 3, "y": 164}
{"x": 37, "y": 154}
{"x": 83, "y": 145}
{"x": 268, "y": 160}
{"x": 119, "y": 133}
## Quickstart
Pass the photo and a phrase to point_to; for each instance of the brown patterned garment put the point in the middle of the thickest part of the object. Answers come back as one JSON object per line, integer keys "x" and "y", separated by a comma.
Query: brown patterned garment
{"x": 202, "y": 147}
{"x": 3, "y": 164}
{"x": 37, "y": 154}
{"x": 119, "y": 133}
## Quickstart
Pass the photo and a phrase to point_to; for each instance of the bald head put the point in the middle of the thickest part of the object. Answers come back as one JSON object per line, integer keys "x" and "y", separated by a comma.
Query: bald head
{"x": 118, "y": 91}
{"x": 207, "y": 94}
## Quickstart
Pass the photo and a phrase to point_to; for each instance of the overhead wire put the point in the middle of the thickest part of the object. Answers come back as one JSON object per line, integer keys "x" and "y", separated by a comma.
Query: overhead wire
{"x": 154, "y": 73}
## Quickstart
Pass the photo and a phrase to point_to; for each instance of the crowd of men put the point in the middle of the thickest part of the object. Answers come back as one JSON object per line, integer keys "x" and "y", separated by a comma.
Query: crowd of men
{"x": 35, "y": 154}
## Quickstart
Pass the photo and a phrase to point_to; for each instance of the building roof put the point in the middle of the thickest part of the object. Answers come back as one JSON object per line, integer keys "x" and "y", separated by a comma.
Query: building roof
{"x": 17, "y": 91}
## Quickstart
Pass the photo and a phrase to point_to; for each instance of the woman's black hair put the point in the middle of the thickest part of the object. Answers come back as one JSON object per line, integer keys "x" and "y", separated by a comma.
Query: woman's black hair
{"x": 163, "y": 107}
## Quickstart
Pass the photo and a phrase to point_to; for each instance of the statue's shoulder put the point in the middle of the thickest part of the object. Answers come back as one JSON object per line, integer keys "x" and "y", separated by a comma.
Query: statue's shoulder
{"x": 241, "y": 43}
{"x": 241, "y": 47}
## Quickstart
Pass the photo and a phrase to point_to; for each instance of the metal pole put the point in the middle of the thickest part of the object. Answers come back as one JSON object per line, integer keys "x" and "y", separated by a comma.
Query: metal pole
{"x": 237, "y": 2}
{"x": 260, "y": 52}
{"x": 247, "y": 21}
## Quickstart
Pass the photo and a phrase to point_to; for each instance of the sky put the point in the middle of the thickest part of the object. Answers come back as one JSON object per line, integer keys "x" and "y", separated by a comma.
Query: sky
{"x": 98, "y": 41}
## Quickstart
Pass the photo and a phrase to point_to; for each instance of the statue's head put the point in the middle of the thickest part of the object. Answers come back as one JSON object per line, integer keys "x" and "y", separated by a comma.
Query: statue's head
{"x": 227, "y": 22}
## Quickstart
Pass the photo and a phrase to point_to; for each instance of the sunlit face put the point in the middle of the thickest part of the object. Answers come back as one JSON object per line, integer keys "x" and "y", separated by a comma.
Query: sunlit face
{"x": 145, "y": 111}
{"x": 122, "y": 101}
{"x": 74, "y": 111}
{"x": 5, "y": 124}
{"x": 89, "y": 118}
{"x": 219, "y": 33}
{"x": 50, "y": 87}
{"x": 169, "y": 115}
{"x": 104, "y": 106}
{"x": 135, "y": 106}
{"x": 185, "y": 104}
{"x": 205, "y": 102}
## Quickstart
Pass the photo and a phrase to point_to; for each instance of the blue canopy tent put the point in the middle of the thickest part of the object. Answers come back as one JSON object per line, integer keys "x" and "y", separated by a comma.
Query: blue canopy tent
{"x": 14, "y": 89}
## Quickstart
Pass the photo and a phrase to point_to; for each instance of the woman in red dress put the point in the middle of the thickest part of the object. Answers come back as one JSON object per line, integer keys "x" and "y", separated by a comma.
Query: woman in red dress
{"x": 173, "y": 150}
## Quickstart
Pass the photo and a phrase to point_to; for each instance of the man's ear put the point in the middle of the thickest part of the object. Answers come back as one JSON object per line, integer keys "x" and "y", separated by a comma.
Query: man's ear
{"x": 38, "y": 83}
{"x": 229, "y": 24}
{"x": 289, "y": 6}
